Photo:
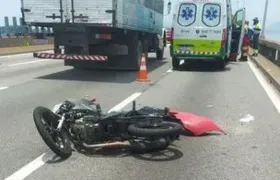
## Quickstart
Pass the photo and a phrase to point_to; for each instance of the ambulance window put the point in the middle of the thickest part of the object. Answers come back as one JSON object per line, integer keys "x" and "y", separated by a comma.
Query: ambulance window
{"x": 211, "y": 16}
{"x": 238, "y": 19}
{"x": 187, "y": 14}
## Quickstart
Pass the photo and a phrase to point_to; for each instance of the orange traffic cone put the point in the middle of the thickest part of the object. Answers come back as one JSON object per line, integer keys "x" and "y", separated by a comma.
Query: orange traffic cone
{"x": 143, "y": 74}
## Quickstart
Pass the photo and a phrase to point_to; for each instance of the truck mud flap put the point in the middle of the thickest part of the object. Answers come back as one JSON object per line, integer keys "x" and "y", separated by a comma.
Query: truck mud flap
{"x": 70, "y": 57}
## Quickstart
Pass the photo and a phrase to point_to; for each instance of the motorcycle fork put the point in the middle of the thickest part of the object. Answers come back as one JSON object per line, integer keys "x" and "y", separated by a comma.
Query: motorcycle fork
{"x": 60, "y": 123}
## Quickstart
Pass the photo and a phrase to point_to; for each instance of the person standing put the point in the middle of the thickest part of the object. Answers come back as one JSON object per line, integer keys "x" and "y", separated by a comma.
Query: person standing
{"x": 256, "y": 35}
{"x": 245, "y": 43}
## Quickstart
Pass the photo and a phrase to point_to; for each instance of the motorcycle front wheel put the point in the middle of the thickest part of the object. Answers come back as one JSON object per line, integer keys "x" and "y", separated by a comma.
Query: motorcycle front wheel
{"x": 46, "y": 122}
{"x": 164, "y": 129}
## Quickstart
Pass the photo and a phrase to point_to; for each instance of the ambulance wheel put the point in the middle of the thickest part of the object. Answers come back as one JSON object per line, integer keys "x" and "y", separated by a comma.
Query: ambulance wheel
{"x": 159, "y": 54}
{"x": 175, "y": 63}
{"x": 222, "y": 64}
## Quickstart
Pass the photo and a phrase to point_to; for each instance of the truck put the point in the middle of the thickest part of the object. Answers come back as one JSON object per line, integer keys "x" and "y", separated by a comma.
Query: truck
{"x": 99, "y": 33}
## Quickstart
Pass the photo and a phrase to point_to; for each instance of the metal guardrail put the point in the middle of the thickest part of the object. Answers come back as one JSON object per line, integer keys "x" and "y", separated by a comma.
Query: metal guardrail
{"x": 271, "y": 50}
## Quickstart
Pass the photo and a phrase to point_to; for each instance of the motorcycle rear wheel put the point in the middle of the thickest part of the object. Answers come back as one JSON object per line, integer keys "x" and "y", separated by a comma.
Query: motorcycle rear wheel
{"x": 44, "y": 117}
{"x": 164, "y": 129}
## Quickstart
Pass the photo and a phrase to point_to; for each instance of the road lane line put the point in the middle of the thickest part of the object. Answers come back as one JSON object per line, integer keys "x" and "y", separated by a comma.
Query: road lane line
{"x": 125, "y": 102}
{"x": 171, "y": 69}
{"x": 32, "y": 166}
{"x": 4, "y": 87}
{"x": 29, "y": 62}
{"x": 41, "y": 160}
{"x": 269, "y": 89}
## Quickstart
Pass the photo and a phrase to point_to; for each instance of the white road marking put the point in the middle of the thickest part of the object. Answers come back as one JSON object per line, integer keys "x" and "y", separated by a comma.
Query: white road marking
{"x": 272, "y": 93}
{"x": 4, "y": 87}
{"x": 125, "y": 102}
{"x": 171, "y": 69}
{"x": 41, "y": 160}
{"x": 32, "y": 166}
{"x": 29, "y": 62}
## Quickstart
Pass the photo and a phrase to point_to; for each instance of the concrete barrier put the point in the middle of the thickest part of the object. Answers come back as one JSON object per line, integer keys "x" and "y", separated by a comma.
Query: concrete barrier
{"x": 22, "y": 41}
{"x": 25, "y": 49}
{"x": 268, "y": 61}
{"x": 270, "y": 49}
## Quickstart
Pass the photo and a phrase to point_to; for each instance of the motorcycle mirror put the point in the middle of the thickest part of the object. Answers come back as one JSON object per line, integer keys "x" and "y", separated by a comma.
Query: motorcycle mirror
{"x": 134, "y": 105}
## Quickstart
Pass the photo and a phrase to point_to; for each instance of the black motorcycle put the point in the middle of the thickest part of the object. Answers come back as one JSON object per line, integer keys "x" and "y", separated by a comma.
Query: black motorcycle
{"x": 83, "y": 124}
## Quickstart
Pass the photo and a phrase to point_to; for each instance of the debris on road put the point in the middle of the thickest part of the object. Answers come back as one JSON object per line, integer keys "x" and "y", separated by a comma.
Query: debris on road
{"x": 248, "y": 118}
{"x": 197, "y": 125}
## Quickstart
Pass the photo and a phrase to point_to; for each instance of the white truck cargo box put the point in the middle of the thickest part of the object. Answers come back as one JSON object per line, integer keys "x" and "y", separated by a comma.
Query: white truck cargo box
{"x": 146, "y": 15}
{"x": 87, "y": 11}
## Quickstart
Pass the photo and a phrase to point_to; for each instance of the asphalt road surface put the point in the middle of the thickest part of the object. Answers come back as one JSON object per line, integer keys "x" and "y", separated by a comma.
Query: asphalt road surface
{"x": 249, "y": 150}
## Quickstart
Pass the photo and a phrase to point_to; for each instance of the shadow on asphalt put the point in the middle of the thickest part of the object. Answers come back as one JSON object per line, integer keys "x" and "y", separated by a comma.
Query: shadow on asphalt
{"x": 114, "y": 76}
{"x": 54, "y": 160}
{"x": 203, "y": 67}
{"x": 189, "y": 134}
{"x": 169, "y": 154}
{"x": 235, "y": 63}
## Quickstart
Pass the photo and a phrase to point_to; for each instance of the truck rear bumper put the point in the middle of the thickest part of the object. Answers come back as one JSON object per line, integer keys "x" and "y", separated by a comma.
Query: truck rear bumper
{"x": 70, "y": 57}
{"x": 200, "y": 58}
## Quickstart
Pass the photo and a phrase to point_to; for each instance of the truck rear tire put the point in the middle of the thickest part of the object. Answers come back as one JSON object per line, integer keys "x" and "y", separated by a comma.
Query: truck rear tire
{"x": 139, "y": 53}
{"x": 175, "y": 63}
{"x": 159, "y": 53}
{"x": 222, "y": 64}
{"x": 135, "y": 50}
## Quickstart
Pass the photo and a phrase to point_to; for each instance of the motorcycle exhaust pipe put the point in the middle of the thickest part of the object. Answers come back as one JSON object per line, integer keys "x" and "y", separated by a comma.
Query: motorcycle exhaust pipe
{"x": 112, "y": 144}
{"x": 136, "y": 146}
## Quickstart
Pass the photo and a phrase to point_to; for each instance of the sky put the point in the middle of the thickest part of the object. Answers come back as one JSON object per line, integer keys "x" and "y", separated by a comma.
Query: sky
{"x": 254, "y": 8}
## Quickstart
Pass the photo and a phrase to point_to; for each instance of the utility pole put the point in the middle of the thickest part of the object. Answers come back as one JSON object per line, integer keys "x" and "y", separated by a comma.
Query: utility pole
{"x": 264, "y": 19}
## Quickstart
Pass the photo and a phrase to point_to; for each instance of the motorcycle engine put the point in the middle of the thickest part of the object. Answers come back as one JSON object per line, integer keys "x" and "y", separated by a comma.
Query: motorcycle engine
{"x": 88, "y": 129}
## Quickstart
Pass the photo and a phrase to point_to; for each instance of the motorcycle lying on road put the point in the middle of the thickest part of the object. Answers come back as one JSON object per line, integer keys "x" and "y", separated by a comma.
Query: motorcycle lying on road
{"x": 83, "y": 124}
